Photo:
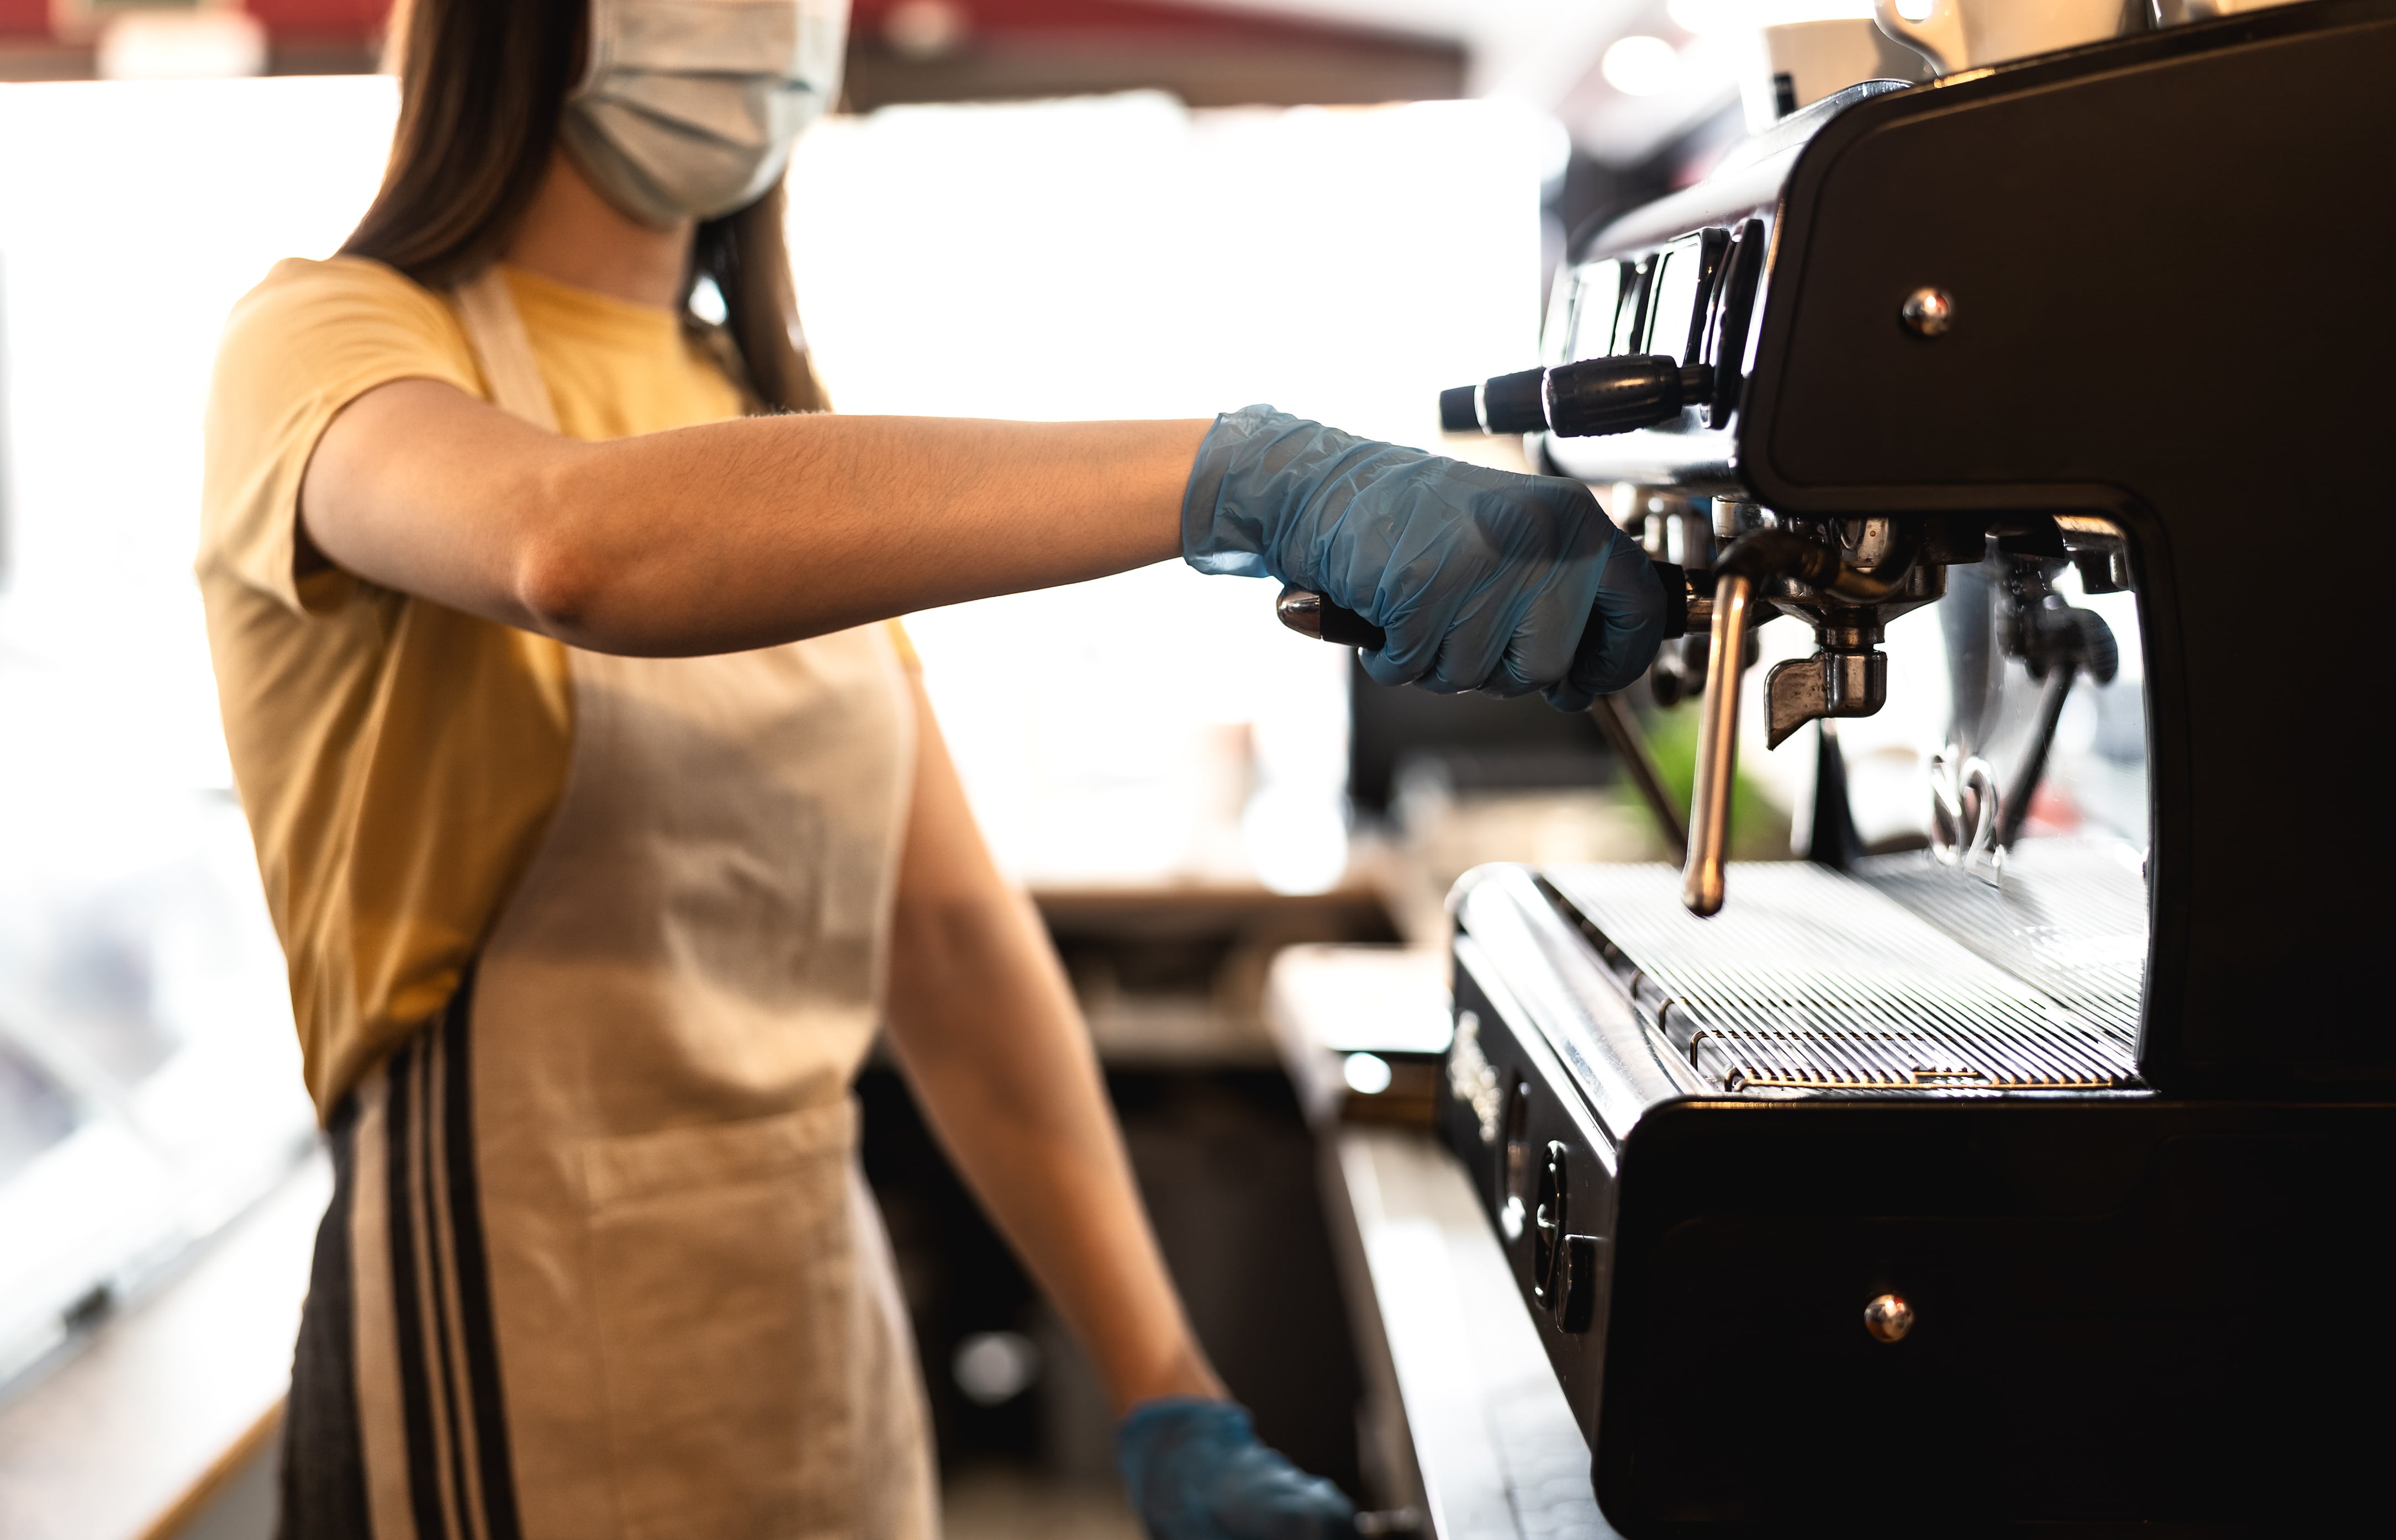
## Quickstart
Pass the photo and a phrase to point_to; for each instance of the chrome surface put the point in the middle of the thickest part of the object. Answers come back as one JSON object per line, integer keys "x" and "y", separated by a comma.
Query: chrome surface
{"x": 1814, "y": 981}
{"x": 1928, "y": 311}
{"x": 1675, "y": 532}
{"x": 1827, "y": 684}
{"x": 1965, "y": 809}
{"x": 1302, "y": 611}
{"x": 1888, "y": 1318}
{"x": 1732, "y": 519}
{"x": 1701, "y": 886}
{"x": 2068, "y": 918}
{"x": 1530, "y": 957}
{"x": 1470, "y": 1078}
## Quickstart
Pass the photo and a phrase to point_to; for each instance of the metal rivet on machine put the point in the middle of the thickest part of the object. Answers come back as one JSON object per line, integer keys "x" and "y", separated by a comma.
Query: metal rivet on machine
{"x": 1888, "y": 1318}
{"x": 1928, "y": 311}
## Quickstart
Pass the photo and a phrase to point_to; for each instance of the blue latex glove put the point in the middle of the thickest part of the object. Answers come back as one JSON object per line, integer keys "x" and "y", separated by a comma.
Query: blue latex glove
{"x": 1195, "y": 1471}
{"x": 1484, "y": 579}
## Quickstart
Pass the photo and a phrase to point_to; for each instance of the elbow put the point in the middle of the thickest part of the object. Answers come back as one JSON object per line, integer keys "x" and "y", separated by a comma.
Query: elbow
{"x": 560, "y": 573}
{"x": 558, "y": 587}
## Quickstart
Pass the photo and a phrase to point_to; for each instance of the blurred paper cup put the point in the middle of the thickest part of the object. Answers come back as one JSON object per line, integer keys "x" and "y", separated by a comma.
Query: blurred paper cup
{"x": 1965, "y": 34}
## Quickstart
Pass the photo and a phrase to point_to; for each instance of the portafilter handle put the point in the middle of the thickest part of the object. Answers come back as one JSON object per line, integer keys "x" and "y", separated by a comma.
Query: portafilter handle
{"x": 1311, "y": 615}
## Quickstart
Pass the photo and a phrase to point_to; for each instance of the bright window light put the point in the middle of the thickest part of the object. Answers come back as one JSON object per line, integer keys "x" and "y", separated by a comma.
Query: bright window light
{"x": 148, "y": 1068}
{"x": 1367, "y": 1074}
{"x": 1640, "y": 65}
{"x": 1125, "y": 257}
{"x": 1699, "y": 16}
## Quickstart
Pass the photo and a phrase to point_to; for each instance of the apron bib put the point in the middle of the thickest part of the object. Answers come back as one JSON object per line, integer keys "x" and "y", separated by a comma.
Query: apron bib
{"x": 611, "y": 1268}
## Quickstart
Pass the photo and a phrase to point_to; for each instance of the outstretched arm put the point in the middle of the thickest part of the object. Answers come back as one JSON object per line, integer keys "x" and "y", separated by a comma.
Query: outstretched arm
{"x": 733, "y": 535}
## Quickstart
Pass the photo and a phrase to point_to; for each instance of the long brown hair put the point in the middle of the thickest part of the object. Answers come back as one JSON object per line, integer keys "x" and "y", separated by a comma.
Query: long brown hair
{"x": 482, "y": 86}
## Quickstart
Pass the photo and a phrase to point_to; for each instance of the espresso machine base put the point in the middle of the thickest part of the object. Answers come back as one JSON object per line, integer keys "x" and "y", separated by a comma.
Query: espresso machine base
{"x": 1927, "y": 1310}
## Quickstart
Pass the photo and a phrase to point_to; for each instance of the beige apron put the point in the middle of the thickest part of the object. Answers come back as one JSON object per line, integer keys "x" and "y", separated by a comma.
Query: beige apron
{"x": 692, "y": 1324}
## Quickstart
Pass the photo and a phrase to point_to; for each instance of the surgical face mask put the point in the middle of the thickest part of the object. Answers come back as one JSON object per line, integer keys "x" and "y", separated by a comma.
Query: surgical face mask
{"x": 689, "y": 107}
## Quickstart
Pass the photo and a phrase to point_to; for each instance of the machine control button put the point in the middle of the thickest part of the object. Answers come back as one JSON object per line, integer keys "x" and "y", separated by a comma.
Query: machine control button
{"x": 1576, "y": 1289}
{"x": 1514, "y": 1173}
{"x": 1928, "y": 311}
{"x": 1888, "y": 1318}
{"x": 1548, "y": 1226}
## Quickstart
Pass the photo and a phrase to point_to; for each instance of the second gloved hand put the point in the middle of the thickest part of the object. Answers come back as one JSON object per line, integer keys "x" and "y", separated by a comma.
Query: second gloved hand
{"x": 1484, "y": 579}
{"x": 1194, "y": 1471}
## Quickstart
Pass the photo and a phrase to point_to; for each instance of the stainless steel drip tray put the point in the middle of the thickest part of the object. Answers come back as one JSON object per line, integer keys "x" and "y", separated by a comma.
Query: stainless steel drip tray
{"x": 2067, "y": 916}
{"x": 1809, "y": 980}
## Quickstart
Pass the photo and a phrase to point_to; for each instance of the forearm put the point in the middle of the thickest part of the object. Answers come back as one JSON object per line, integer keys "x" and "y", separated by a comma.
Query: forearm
{"x": 734, "y": 535}
{"x": 986, "y": 1028}
{"x": 988, "y": 1034}
{"x": 750, "y": 533}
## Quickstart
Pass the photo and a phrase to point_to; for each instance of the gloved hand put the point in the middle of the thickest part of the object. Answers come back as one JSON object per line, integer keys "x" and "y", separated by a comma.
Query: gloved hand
{"x": 1484, "y": 579}
{"x": 1195, "y": 1471}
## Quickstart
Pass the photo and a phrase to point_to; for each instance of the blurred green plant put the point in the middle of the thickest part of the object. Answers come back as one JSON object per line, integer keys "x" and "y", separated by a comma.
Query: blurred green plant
{"x": 1758, "y": 831}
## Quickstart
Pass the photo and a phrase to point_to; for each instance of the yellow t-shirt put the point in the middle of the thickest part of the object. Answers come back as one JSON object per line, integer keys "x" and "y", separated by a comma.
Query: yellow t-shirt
{"x": 398, "y": 760}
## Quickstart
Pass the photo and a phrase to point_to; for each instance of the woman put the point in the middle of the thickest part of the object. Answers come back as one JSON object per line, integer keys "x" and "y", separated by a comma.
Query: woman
{"x": 604, "y": 824}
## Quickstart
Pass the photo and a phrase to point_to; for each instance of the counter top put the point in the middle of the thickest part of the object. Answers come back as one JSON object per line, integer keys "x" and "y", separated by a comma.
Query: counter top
{"x": 130, "y": 1436}
{"x": 1463, "y": 1419}
{"x": 1466, "y": 1401}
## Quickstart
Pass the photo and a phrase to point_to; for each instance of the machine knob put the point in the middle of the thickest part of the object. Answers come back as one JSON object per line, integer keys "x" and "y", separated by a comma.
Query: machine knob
{"x": 1583, "y": 400}
{"x": 1576, "y": 1290}
{"x": 1548, "y": 1227}
{"x": 1619, "y": 395}
{"x": 1888, "y": 1318}
{"x": 1506, "y": 403}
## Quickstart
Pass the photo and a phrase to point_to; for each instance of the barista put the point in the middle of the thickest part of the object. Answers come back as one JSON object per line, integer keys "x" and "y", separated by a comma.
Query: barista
{"x": 604, "y": 820}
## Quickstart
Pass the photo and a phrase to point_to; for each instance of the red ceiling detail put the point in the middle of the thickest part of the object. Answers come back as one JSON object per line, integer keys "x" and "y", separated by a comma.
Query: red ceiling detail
{"x": 362, "y": 18}
{"x": 319, "y": 18}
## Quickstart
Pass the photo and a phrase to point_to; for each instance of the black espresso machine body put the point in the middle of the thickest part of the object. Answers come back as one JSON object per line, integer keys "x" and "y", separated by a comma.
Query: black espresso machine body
{"x": 2036, "y": 1242}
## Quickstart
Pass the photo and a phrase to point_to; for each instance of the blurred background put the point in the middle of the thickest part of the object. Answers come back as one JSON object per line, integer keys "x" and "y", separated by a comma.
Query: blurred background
{"x": 1029, "y": 208}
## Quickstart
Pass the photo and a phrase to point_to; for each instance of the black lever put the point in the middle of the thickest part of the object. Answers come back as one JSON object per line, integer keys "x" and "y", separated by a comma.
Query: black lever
{"x": 2058, "y": 643}
{"x": 1585, "y": 400}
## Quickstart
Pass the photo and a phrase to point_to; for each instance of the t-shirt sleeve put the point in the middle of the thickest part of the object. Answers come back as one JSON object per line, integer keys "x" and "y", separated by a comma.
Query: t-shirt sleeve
{"x": 302, "y": 345}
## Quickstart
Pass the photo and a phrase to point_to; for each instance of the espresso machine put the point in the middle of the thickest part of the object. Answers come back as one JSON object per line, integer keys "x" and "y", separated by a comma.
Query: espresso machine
{"x": 2022, "y": 1177}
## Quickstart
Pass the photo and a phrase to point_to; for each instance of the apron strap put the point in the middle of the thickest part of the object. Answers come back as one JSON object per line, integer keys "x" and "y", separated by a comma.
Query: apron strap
{"x": 503, "y": 349}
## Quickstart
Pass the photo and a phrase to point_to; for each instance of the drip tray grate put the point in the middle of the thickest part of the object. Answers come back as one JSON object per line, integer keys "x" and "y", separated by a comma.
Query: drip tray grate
{"x": 2070, "y": 919}
{"x": 1810, "y": 980}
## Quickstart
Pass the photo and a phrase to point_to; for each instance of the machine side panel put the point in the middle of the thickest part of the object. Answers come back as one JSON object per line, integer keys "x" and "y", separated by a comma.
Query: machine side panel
{"x": 2152, "y": 249}
{"x": 2105, "y": 1318}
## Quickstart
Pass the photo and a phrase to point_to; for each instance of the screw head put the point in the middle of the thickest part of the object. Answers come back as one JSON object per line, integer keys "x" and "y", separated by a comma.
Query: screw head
{"x": 1887, "y": 1318}
{"x": 1928, "y": 311}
